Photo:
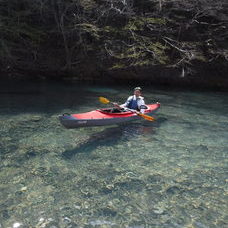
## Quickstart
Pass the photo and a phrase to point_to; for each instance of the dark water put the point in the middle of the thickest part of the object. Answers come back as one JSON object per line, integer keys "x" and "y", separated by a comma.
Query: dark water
{"x": 168, "y": 173}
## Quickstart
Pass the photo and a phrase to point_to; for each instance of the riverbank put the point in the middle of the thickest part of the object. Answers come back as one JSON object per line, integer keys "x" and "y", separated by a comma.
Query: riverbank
{"x": 170, "y": 42}
{"x": 206, "y": 78}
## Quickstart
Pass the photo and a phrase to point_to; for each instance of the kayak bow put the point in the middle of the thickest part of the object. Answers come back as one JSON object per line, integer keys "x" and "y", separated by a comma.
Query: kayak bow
{"x": 101, "y": 117}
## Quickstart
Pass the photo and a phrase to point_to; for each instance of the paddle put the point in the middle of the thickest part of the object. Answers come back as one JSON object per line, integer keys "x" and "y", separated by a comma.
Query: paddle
{"x": 106, "y": 101}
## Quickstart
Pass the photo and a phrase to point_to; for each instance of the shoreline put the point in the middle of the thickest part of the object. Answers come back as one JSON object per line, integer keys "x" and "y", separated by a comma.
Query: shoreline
{"x": 165, "y": 79}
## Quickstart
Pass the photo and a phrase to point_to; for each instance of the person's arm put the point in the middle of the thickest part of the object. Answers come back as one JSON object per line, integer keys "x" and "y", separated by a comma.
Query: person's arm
{"x": 123, "y": 105}
{"x": 126, "y": 103}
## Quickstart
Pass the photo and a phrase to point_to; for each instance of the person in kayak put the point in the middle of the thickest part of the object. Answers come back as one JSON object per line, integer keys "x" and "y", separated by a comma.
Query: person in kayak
{"x": 135, "y": 102}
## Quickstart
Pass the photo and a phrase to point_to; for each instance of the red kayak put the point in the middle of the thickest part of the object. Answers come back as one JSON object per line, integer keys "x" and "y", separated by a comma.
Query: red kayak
{"x": 101, "y": 117}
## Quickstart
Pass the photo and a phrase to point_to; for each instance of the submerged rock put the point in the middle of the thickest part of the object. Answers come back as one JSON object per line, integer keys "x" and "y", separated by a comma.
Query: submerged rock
{"x": 24, "y": 189}
{"x": 36, "y": 118}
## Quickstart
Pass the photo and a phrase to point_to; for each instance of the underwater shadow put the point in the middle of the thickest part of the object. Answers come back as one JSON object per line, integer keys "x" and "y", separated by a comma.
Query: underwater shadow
{"x": 107, "y": 137}
{"x": 113, "y": 135}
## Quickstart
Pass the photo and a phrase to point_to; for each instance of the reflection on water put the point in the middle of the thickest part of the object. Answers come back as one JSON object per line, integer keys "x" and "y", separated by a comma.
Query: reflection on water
{"x": 167, "y": 173}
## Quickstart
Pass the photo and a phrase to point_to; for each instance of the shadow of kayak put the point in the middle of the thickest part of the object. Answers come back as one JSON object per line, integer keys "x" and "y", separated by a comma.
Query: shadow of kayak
{"x": 107, "y": 137}
{"x": 112, "y": 136}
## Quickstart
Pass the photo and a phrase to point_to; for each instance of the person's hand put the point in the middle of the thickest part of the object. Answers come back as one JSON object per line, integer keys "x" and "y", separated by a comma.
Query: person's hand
{"x": 116, "y": 105}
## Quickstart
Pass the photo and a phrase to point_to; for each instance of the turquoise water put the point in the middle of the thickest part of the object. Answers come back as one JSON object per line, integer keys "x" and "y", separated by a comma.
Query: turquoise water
{"x": 167, "y": 173}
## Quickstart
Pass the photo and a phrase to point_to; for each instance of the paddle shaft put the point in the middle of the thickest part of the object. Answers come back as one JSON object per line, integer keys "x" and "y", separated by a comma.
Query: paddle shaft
{"x": 150, "y": 118}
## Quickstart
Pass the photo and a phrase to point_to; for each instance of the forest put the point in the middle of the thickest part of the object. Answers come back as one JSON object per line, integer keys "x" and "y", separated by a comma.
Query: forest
{"x": 170, "y": 42}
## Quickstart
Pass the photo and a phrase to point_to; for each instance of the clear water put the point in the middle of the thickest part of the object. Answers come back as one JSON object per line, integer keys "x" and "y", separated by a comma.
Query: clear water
{"x": 168, "y": 173}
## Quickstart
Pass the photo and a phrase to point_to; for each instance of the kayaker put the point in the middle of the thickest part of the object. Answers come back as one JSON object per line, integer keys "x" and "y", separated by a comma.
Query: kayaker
{"x": 135, "y": 102}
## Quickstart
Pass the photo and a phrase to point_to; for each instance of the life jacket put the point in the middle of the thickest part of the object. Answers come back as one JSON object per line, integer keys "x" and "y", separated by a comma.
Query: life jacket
{"x": 133, "y": 104}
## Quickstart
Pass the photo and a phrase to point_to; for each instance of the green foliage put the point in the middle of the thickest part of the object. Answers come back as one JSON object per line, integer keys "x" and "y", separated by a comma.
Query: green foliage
{"x": 135, "y": 24}
{"x": 134, "y": 33}
{"x": 160, "y": 52}
{"x": 92, "y": 29}
{"x": 88, "y": 4}
{"x": 142, "y": 62}
{"x": 139, "y": 23}
{"x": 153, "y": 20}
{"x": 144, "y": 54}
{"x": 118, "y": 66}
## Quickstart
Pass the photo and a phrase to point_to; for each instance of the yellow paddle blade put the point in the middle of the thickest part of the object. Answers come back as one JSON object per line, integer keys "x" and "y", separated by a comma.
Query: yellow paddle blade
{"x": 146, "y": 117}
{"x": 104, "y": 100}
